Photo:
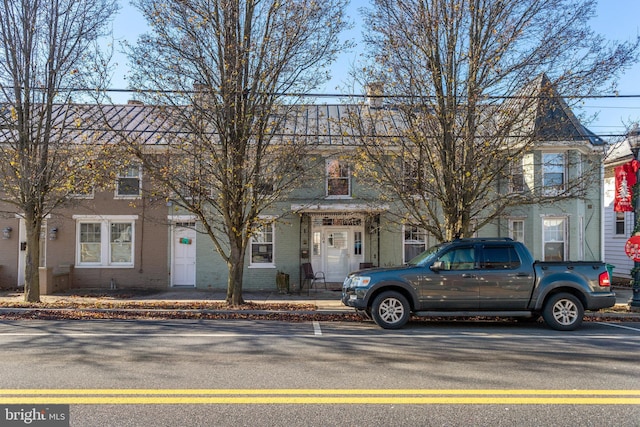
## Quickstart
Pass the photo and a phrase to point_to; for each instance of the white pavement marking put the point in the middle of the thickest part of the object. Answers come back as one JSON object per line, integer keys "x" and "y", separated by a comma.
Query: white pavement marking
{"x": 318, "y": 332}
{"x": 144, "y": 334}
{"x": 614, "y": 325}
{"x": 316, "y": 328}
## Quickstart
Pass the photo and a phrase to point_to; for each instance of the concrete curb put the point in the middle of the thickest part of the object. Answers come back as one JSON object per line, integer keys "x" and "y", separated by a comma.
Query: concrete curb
{"x": 327, "y": 304}
{"x": 195, "y": 313}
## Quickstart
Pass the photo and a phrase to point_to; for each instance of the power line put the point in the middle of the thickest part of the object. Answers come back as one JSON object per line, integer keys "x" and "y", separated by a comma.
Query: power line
{"x": 353, "y": 95}
{"x": 334, "y": 95}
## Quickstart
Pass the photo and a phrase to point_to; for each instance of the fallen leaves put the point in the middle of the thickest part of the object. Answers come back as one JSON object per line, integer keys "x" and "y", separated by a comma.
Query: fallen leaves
{"x": 157, "y": 305}
{"x": 136, "y": 314}
{"x": 102, "y": 308}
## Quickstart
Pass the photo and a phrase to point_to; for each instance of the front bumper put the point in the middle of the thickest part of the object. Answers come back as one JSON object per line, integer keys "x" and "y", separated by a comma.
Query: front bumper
{"x": 352, "y": 298}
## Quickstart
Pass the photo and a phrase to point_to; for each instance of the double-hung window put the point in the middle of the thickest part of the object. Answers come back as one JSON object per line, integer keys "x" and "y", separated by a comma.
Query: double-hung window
{"x": 553, "y": 172}
{"x": 516, "y": 176}
{"x": 412, "y": 182}
{"x": 80, "y": 191}
{"x": 620, "y": 223}
{"x": 338, "y": 179}
{"x": 265, "y": 186}
{"x": 554, "y": 232}
{"x": 415, "y": 241}
{"x": 516, "y": 229}
{"x": 80, "y": 186}
{"x": 262, "y": 246}
{"x": 129, "y": 182}
{"x": 105, "y": 241}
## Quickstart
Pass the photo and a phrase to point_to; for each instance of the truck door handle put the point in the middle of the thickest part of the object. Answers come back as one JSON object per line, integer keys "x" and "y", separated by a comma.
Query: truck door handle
{"x": 522, "y": 275}
{"x": 469, "y": 276}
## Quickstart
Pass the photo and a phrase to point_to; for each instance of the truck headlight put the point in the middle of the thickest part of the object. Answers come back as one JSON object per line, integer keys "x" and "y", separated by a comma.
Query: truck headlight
{"x": 360, "y": 281}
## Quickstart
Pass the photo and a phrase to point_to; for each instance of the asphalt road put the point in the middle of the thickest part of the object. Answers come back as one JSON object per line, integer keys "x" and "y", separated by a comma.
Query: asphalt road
{"x": 250, "y": 373}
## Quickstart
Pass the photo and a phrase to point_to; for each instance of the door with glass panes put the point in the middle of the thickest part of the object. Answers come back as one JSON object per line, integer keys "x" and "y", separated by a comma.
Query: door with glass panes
{"x": 337, "y": 251}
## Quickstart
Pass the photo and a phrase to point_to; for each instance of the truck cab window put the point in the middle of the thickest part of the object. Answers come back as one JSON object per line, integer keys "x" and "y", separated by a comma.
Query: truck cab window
{"x": 459, "y": 259}
{"x": 499, "y": 258}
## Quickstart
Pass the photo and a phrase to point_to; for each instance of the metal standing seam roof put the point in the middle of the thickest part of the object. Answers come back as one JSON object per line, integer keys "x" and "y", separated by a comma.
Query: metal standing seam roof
{"x": 323, "y": 124}
{"x": 554, "y": 120}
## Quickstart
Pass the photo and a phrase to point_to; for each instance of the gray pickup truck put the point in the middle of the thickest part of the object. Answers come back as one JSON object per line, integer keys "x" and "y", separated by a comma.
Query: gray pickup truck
{"x": 480, "y": 277}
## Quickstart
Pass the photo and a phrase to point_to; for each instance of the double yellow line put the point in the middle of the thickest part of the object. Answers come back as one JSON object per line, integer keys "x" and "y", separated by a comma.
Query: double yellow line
{"x": 318, "y": 396}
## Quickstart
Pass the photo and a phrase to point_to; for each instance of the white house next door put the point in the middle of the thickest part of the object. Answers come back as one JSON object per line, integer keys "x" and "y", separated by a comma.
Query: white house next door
{"x": 183, "y": 271}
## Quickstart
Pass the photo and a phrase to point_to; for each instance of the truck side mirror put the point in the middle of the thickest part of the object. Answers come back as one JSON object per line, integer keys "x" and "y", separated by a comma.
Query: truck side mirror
{"x": 437, "y": 266}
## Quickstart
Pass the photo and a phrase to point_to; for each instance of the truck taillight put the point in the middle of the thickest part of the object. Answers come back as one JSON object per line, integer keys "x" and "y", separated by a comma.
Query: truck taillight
{"x": 604, "y": 279}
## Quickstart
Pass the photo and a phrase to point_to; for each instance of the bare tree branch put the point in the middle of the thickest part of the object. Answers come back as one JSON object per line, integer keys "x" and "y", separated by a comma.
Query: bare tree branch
{"x": 231, "y": 59}
{"x": 476, "y": 85}
{"x": 44, "y": 48}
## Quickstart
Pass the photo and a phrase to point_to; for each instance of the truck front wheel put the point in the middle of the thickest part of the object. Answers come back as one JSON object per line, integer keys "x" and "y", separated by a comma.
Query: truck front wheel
{"x": 563, "y": 312}
{"x": 390, "y": 310}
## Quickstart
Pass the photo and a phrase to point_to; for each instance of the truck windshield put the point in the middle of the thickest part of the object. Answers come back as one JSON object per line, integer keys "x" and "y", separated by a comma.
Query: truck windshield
{"x": 426, "y": 256}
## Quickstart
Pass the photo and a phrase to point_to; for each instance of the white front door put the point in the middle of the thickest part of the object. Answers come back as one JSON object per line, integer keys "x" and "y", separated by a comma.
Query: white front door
{"x": 337, "y": 251}
{"x": 183, "y": 271}
{"x": 336, "y": 254}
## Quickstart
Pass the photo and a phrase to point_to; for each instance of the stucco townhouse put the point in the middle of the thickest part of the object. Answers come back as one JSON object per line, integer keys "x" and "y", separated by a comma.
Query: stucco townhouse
{"x": 127, "y": 237}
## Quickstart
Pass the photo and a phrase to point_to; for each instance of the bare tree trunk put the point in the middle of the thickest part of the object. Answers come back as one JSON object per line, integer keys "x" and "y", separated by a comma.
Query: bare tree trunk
{"x": 243, "y": 56}
{"x": 470, "y": 81}
{"x": 234, "y": 281}
{"x": 32, "y": 267}
{"x": 47, "y": 50}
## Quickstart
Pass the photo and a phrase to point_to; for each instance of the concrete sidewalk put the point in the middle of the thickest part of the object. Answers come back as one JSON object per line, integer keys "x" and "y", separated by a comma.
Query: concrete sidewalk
{"x": 324, "y": 300}
{"x": 329, "y": 298}
{"x": 623, "y": 295}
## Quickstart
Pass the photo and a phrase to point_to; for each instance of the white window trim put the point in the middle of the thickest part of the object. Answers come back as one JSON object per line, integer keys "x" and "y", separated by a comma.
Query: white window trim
{"x": 512, "y": 221}
{"x": 128, "y": 196}
{"x": 565, "y": 234}
{"x": 73, "y": 163}
{"x": 411, "y": 177}
{"x": 182, "y": 218}
{"x": 88, "y": 218}
{"x": 516, "y": 165}
{"x": 272, "y": 264}
{"x": 87, "y": 196}
{"x": 551, "y": 191}
{"x": 404, "y": 242}
{"x": 625, "y": 227}
{"x": 105, "y": 221}
{"x": 326, "y": 181}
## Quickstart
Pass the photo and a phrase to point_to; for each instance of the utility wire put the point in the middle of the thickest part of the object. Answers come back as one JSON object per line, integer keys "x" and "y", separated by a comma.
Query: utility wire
{"x": 334, "y": 95}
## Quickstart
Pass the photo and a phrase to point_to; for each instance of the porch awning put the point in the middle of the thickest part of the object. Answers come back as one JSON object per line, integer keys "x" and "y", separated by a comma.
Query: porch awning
{"x": 338, "y": 209}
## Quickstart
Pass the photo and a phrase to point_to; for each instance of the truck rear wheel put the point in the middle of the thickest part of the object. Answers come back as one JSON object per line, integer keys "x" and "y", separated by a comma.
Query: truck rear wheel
{"x": 390, "y": 310}
{"x": 563, "y": 312}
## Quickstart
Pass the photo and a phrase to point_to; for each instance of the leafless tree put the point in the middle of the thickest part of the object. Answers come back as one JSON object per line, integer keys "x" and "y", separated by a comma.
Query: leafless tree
{"x": 45, "y": 53}
{"x": 221, "y": 68}
{"x": 475, "y": 84}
